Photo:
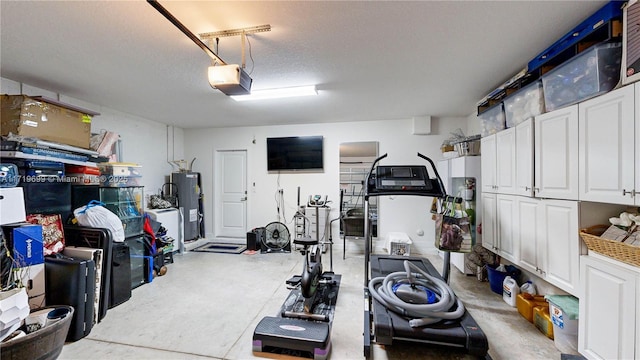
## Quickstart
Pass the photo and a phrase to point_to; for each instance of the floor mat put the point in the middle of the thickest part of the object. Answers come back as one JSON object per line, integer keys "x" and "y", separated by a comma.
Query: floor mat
{"x": 224, "y": 248}
{"x": 571, "y": 357}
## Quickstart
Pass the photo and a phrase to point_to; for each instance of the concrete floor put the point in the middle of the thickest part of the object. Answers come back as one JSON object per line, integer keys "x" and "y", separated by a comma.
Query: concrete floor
{"x": 208, "y": 304}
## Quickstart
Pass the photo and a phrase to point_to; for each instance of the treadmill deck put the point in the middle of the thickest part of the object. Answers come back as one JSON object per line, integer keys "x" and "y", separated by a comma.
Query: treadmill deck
{"x": 388, "y": 326}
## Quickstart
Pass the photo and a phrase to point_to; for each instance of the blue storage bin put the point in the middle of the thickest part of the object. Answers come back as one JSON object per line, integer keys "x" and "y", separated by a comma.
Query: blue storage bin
{"x": 609, "y": 11}
{"x": 496, "y": 278}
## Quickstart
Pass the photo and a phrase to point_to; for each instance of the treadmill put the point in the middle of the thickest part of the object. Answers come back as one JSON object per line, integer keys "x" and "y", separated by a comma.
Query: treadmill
{"x": 382, "y": 325}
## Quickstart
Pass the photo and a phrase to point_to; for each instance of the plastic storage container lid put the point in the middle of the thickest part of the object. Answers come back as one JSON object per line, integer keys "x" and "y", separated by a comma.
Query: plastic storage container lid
{"x": 567, "y": 303}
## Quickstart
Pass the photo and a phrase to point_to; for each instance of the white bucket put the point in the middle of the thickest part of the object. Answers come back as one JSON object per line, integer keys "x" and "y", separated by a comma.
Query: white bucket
{"x": 510, "y": 290}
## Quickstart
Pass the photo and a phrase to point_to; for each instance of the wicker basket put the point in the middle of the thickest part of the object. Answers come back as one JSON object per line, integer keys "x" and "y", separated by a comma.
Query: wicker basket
{"x": 614, "y": 249}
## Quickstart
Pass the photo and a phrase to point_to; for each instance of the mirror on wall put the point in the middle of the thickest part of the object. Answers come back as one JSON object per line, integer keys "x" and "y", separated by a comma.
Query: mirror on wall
{"x": 355, "y": 161}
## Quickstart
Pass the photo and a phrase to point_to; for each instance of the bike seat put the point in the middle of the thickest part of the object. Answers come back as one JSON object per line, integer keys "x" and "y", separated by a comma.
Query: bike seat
{"x": 305, "y": 241}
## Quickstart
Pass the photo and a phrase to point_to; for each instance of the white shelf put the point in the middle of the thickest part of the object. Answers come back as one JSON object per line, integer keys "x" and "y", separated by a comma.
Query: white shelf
{"x": 21, "y": 155}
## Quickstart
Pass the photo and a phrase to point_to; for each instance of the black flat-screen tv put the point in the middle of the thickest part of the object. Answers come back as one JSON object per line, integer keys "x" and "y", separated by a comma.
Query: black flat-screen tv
{"x": 294, "y": 153}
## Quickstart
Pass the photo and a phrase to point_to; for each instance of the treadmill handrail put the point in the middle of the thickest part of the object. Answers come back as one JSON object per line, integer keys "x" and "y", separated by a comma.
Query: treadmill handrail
{"x": 373, "y": 166}
{"x": 367, "y": 194}
{"x": 435, "y": 170}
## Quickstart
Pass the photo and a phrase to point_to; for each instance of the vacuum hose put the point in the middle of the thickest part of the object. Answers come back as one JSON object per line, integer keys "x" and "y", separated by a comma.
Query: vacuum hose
{"x": 422, "y": 314}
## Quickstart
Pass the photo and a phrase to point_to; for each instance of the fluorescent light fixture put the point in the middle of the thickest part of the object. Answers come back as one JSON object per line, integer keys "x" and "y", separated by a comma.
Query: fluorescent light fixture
{"x": 278, "y": 93}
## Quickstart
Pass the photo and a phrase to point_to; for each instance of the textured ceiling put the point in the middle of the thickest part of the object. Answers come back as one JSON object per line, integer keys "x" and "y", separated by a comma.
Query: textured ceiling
{"x": 370, "y": 59}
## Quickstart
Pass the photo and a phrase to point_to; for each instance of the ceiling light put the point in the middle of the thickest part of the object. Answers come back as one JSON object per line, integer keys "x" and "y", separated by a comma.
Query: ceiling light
{"x": 278, "y": 93}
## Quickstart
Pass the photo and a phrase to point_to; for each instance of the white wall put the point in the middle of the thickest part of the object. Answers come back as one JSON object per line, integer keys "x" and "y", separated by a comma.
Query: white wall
{"x": 474, "y": 126}
{"x": 152, "y": 145}
{"x": 145, "y": 142}
{"x": 404, "y": 214}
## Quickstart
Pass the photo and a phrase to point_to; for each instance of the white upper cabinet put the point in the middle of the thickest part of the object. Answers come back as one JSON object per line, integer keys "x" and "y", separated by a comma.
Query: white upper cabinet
{"x": 506, "y": 161}
{"x": 488, "y": 164}
{"x": 607, "y": 153}
{"x": 556, "y": 154}
{"x": 498, "y": 162}
{"x": 524, "y": 158}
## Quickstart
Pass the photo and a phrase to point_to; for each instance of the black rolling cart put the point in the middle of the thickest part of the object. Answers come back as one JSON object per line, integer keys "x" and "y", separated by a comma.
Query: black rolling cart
{"x": 384, "y": 320}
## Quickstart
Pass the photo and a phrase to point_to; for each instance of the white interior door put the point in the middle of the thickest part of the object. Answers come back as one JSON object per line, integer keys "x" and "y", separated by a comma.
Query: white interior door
{"x": 231, "y": 191}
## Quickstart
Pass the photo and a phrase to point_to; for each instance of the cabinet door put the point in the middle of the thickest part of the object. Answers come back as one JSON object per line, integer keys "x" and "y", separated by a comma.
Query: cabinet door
{"x": 561, "y": 244}
{"x": 637, "y": 158}
{"x": 489, "y": 216}
{"x": 444, "y": 167}
{"x": 637, "y": 155}
{"x": 556, "y": 154}
{"x": 524, "y": 158}
{"x": 506, "y": 161}
{"x": 528, "y": 210}
{"x": 488, "y": 163}
{"x": 607, "y": 310}
{"x": 607, "y": 147}
{"x": 506, "y": 226}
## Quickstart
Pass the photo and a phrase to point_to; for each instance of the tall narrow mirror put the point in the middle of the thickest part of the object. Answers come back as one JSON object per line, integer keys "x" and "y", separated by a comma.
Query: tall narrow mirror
{"x": 355, "y": 161}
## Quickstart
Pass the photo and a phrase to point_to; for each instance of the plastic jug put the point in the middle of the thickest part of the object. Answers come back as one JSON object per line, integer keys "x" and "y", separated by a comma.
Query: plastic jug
{"x": 528, "y": 287}
{"x": 542, "y": 320}
{"x": 510, "y": 290}
{"x": 526, "y": 302}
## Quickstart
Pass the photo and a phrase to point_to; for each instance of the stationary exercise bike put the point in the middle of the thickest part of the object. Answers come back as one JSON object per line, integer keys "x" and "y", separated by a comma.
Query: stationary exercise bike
{"x": 312, "y": 271}
{"x": 304, "y": 320}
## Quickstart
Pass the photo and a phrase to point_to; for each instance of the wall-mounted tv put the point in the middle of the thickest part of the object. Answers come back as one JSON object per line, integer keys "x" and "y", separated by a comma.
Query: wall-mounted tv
{"x": 294, "y": 153}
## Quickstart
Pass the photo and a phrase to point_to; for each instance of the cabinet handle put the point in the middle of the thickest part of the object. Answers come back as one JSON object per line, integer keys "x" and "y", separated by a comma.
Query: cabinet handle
{"x": 631, "y": 193}
{"x": 526, "y": 188}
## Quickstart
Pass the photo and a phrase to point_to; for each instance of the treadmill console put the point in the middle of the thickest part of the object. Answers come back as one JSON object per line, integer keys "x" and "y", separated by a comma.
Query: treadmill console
{"x": 400, "y": 178}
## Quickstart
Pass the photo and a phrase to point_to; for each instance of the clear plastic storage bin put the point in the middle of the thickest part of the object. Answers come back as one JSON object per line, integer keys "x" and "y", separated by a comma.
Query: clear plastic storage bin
{"x": 524, "y": 104}
{"x": 120, "y": 174}
{"x": 563, "y": 310}
{"x": 492, "y": 120}
{"x": 590, "y": 73}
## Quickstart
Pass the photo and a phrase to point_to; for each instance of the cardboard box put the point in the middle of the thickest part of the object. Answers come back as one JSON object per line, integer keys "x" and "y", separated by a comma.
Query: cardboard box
{"x": 35, "y": 117}
{"x": 26, "y": 241}
{"x": 33, "y": 279}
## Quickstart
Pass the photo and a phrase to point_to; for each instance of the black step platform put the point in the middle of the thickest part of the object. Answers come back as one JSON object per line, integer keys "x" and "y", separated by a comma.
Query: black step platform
{"x": 463, "y": 333}
{"x": 307, "y": 337}
{"x": 300, "y": 337}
